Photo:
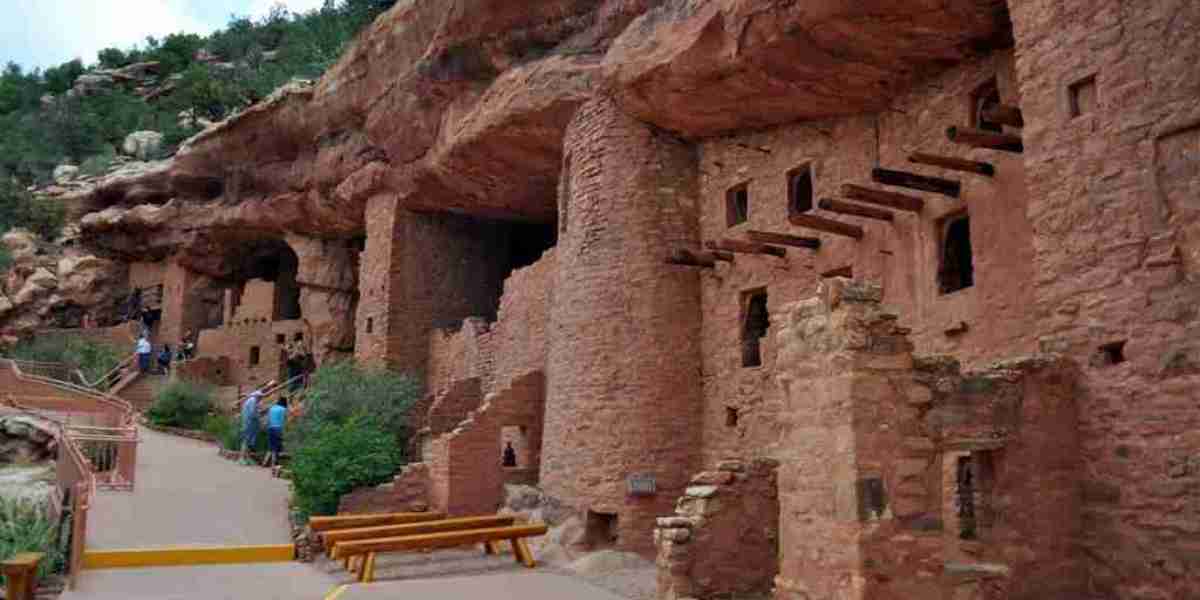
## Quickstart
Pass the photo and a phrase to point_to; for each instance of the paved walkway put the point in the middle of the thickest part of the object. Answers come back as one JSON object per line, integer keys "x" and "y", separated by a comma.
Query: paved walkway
{"x": 281, "y": 581}
{"x": 517, "y": 585}
{"x": 186, "y": 495}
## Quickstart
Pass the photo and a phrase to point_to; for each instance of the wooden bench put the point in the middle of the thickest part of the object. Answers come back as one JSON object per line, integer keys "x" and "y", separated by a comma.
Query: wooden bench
{"x": 20, "y": 574}
{"x": 515, "y": 535}
{"x": 320, "y": 524}
{"x": 331, "y": 538}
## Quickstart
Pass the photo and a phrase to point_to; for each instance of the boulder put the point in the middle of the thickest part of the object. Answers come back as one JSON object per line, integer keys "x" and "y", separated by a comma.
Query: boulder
{"x": 21, "y": 244}
{"x": 143, "y": 145}
{"x": 37, "y": 285}
{"x": 65, "y": 173}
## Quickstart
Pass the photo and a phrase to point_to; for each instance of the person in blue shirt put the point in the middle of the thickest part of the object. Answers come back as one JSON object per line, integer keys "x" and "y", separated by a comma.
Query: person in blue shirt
{"x": 276, "y": 417}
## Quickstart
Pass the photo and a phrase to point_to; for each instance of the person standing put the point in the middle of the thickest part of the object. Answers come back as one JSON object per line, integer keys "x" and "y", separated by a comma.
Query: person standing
{"x": 250, "y": 421}
{"x": 509, "y": 459}
{"x": 276, "y": 417}
{"x": 164, "y": 360}
{"x": 143, "y": 349}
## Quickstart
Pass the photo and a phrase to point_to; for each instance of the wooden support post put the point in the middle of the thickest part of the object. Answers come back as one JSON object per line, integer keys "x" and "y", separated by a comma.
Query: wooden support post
{"x": 882, "y": 198}
{"x": 978, "y": 138}
{"x": 1003, "y": 114}
{"x": 826, "y": 225}
{"x": 957, "y": 164}
{"x": 20, "y": 575}
{"x": 937, "y": 185}
{"x": 729, "y": 245}
{"x": 521, "y": 552}
{"x": 858, "y": 210}
{"x": 367, "y": 573}
{"x": 688, "y": 258}
{"x": 784, "y": 239}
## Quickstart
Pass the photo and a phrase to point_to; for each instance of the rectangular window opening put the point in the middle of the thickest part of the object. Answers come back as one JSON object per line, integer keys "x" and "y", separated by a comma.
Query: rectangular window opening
{"x": 755, "y": 322}
{"x": 731, "y": 416}
{"x": 956, "y": 270}
{"x": 600, "y": 530}
{"x": 1112, "y": 353}
{"x": 280, "y": 338}
{"x": 974, "y": 474}
{"x": 1082, "y": 96}
{"x": 298, "y": 337}
{"x": 737, "y": 205}
{"x": 800, "y": 190}
{"x": 254, "y": 355}
{"x": 985, "y": 96}
{"x": 370, "y": 324}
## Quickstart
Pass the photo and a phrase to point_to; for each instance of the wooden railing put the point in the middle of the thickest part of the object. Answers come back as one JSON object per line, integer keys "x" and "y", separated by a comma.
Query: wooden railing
{"x": 108, "y": 380}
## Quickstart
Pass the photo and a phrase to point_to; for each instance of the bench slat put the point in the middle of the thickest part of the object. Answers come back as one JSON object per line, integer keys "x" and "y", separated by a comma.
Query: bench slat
{"x": 355, "y": 521}
{"x": 448, "y": 539}
{"x": 332, "y": 538}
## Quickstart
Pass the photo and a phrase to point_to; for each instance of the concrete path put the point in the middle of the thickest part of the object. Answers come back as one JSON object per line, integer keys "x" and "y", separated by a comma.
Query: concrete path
{"x": 281, "y": 581}
{"x": 186, "y": 495}
{"x": 517, "y": 585}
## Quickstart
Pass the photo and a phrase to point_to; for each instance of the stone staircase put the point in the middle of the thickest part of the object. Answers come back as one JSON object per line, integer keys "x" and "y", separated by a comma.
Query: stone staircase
{"x": 140, "y": 389}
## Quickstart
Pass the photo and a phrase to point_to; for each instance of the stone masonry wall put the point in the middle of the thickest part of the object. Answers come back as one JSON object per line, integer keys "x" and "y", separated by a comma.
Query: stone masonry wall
{"x": 902, "y": 256}
{"x": 1111, "y": 101}
{"x": 623, "y": 392}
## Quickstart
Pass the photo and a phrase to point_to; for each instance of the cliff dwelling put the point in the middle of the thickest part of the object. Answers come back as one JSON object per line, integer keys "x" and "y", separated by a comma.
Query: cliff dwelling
{"x": 797, "y": 299}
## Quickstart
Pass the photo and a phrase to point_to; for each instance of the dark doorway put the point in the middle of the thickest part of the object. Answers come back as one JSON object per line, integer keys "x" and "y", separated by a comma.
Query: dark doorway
{"x": 755, "y": 322}
{"x": 957, "y": 268}
{"x": 800, "y": 190}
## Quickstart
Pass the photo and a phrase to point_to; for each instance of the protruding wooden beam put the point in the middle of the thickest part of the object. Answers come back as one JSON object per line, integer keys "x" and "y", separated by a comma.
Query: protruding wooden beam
{"x": 1003, "y": 114}
{"x": 977, "y": 138}
{"x": 957, "y": 164}
{"x": 882, "y": 198}
{"x": 826, "y": 225}
{"x": 745, "y": 247}
{"x": 784, "y": 239}
{"x": 858, "y": 210}
{"x": 937, "y": 185}
{"x": 689, "y": 258}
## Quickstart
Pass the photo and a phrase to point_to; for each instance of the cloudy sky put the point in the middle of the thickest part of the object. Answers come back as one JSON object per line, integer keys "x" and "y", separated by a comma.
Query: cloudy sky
{"x": 44, "y": 33}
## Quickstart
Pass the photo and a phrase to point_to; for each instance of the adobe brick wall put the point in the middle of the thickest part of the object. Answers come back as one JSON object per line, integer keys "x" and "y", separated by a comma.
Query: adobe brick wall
{"x": 874, "y": 438}
{"x": 623, "y": 392}
{"x": 1115, "y": 237}
{"x": 146, "y": 274}
{"x": 453, "y": 405}
{"x": 234, "y": 341}
{"x": 902, "y": 256}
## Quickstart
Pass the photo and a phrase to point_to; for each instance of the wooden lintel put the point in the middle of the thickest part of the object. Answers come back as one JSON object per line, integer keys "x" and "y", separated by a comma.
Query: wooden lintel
{"x": 689, "y": 258}
{"x": 957, "y": 164}
{"x": 784, "y": 239}
{"x": 978, "y": 138}
{"x": 745, "y": 247}
{"x": 826, "y": 225}
{"x": 882, "y": 198}
{"x": 858, "y": 210}
{"x": 937, "y": 185}
{"x": 1003, "y": 114}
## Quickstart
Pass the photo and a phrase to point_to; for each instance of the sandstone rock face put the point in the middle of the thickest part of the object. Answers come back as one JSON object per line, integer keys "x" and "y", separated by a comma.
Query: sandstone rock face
{"x": 143, "y": 145}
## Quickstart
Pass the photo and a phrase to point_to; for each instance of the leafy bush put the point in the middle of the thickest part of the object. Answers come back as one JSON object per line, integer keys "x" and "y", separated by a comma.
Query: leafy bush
{"x": 94, "y": 359}
{"x": 19, "y": 208}
{"x": 25, "y": 528}
{"x": 341, "y": 391}
{"x": 183, "y": 404}
{"x": 339, "y": 457}
{"x": 98, "y": 164}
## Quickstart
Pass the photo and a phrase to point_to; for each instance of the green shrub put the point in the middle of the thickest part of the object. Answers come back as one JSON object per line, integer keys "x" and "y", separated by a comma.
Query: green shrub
{"x": 19, "y": 209}
{"x": 25, "y": 528}
{"x": 94, "y": 359}
{"x": 342, "y": 390}
{"x": 183, "y": 404}
{"x": 338, "y": 458}
{"x": 99, "y": 163}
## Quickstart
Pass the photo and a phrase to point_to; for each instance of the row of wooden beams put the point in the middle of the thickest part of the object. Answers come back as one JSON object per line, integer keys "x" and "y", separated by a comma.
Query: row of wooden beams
{"x": 882, "y": 198}
{"x": 744, "y": 247}
{"x": 978, "y": 138}
{"x": 937, "y": 185}
{"x": 956, "y": 164}
{"x": 1003, "y": 114}
{"x": 783, "y": 239}
{"x": 827, "y": 225}
{"x": 857, "y": 210}
{"x": 688, "y": 258}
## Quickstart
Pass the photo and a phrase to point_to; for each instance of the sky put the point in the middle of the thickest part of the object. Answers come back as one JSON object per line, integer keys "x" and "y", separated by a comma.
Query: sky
{"x": 45, "y": 33}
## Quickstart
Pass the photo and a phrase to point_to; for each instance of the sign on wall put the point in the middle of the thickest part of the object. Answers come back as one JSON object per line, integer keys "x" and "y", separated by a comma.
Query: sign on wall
{"x": 641, "y": 484}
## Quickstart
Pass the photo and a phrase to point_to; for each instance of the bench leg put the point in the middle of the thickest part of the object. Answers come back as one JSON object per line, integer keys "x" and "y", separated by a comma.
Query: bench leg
{"x": 526, "y": 553}
{"x": 367, "y": 575}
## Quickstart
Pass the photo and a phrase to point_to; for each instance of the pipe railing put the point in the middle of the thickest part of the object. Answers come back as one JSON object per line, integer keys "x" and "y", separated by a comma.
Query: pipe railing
{"x": 109, "y": 403}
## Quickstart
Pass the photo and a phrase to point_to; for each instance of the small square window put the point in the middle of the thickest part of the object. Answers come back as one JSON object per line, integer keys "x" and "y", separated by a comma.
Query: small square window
{"x": 280, "y": 338}
{"x": 1082, "y": 96}
{"x": 298, "y": 337}
{"x": 800, "y": 190}
{"x": 1112, "y": 353}
{"x": 737, "y": 205}
{"x": 956, "y": 269}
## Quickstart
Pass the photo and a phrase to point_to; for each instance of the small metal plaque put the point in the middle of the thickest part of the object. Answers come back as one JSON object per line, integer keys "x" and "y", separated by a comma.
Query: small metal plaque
{"x": 641, "y": 484}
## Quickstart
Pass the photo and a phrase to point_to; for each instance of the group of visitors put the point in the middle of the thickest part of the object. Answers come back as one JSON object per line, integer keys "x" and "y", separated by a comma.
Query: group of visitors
{"x": 145, "y": 353}
{"x": 276, "y": 418}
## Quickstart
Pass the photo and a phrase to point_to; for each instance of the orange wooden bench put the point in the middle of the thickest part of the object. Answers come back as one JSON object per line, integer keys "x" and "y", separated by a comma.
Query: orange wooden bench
{"x": 365, "y": 568}
{"x": 20, "y": 574}
{"x": 330, "y": 538}
{"x": 320, "y": 524}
